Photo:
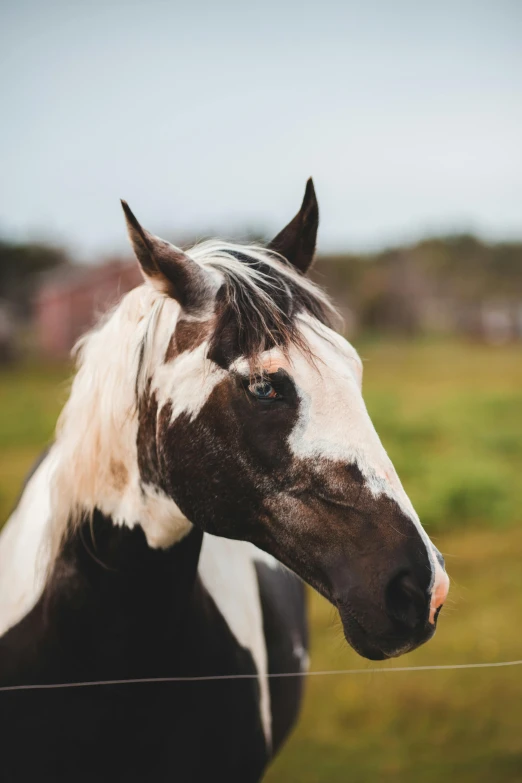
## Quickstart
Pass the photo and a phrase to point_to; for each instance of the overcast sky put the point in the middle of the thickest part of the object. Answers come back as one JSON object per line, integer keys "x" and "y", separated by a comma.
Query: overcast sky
{"x": 210, "y": 116}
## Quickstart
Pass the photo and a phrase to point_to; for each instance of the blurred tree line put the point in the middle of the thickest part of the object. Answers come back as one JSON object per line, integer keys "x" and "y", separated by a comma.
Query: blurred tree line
{"x": 447, "y": 284}
{"x": 454, "y": 284}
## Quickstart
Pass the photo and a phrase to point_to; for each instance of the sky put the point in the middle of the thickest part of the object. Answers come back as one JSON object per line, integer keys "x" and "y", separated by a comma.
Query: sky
{"x": 208, "y": 117}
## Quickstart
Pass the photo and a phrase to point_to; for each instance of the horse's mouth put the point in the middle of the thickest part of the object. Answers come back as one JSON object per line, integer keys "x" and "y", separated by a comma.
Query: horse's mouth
{"x": 376, "y": 647}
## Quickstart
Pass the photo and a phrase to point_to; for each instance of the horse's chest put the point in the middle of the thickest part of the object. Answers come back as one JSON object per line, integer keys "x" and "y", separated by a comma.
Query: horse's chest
{"x": 166, "y": 730}
{"x": 187, "y": 732}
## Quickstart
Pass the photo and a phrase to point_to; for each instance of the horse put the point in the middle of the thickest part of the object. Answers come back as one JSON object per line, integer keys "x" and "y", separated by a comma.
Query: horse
{"x": 214, "y": 455}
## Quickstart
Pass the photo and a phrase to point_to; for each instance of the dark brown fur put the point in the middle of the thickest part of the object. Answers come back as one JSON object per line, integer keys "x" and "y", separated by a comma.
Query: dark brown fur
{"x": 146, "y": 440}
{"x": 187, "y": 336}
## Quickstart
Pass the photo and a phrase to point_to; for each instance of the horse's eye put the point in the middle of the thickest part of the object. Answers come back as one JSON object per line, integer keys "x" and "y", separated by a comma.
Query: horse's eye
{"x": 263, "y": 390}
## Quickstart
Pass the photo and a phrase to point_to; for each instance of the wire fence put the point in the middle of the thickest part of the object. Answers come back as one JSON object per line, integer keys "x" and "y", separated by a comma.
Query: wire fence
{"x": 217, "y": 677}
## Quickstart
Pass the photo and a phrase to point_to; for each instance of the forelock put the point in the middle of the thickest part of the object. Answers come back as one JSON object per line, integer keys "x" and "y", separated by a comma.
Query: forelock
{"x": 259, "y": 302}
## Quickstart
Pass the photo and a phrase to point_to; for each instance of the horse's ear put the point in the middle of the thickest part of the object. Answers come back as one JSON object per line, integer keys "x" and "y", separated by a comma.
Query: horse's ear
{"x": 296, "y": 242}
{"x": 166, "y": 267}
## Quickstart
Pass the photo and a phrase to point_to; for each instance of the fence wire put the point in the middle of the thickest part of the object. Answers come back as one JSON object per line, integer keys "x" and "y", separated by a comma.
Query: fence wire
{"x": 273, "y": 675}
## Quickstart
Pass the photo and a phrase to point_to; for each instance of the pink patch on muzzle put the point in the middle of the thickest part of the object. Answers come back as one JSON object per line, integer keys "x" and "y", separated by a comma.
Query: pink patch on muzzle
{"x": 439, "y": 592}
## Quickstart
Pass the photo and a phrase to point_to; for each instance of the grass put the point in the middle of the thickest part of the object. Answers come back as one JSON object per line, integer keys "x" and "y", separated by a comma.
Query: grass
{"x": 30, "y": 400}
{"x": 450, "y": 416}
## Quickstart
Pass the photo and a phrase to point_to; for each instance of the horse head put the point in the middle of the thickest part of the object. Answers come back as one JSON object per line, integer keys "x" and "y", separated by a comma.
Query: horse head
{"x": 246, "y": 419}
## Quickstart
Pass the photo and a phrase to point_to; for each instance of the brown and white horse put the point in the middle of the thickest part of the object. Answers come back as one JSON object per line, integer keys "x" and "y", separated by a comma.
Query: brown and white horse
{"x": 215, "y": 451}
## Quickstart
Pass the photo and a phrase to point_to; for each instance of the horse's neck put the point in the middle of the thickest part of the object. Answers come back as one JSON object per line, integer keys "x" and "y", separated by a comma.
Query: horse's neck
{"x": 123, "y": 581}
{"x": 94, "y": 461}
{"x": 108, "y": 587}
{"x": 29, "y": 541}
{"x": 110, "y": 607}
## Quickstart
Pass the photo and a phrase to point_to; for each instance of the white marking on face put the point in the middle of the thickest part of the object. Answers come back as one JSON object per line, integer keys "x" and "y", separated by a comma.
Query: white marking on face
{"x": 227, "y": 570}
{"x": 333, "y": 420}
{"x": 187, "y": 382}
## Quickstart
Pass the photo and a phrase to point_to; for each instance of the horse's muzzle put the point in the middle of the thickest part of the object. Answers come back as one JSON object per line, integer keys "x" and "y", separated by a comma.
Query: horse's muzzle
{"x": 403, "y": 617}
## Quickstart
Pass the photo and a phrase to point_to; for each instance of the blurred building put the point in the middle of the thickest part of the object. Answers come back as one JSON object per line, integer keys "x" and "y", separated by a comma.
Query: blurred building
{"x": 70, "y": 300}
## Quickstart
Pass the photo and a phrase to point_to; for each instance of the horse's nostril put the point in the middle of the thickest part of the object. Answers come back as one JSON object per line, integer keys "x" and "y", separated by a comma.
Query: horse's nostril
{"x": 405, "y": 600}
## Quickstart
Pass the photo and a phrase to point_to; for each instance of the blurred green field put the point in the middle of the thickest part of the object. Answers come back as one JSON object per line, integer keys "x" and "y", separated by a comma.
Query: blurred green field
{"x": 450, "y": 416}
